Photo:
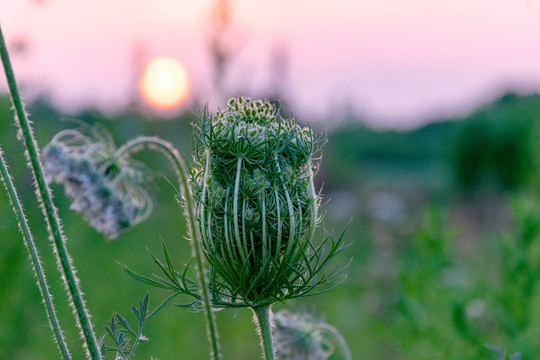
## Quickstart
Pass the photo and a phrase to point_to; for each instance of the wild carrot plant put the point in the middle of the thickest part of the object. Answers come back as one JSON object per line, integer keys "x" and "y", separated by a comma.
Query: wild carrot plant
{"x": 257, "y": 213}
{"x": 258, "y": 209}
{"x": 49, "y": 210}
{"x": 105, "y": 190}
{"x": 301, "y": 336}
{"x": 34, "y": 257}
{"x": 249, "y": 200}
{"x": 111, "y": 192}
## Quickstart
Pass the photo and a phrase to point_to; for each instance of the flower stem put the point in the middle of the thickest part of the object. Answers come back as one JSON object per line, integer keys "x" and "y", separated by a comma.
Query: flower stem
{"x": 53, "y": 222}
{"x": 263, "y": 315}
{"x": 34, "y": 258}
{"x": 339, "y": 338}
{"x": 182, "y": 172}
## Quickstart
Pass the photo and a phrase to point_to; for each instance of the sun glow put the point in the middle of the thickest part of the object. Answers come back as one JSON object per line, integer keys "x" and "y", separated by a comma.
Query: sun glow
{"x": 164, "y": 83}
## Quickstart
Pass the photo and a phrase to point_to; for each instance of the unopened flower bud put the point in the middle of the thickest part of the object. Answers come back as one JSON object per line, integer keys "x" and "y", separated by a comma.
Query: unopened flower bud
{"x": 257, "y": 231}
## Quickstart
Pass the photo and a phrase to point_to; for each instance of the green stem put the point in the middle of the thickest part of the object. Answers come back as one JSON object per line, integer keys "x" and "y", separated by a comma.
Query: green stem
{"x": 263, "y": 315}
{"x": 339, "y": 338}
{"x": 49, "y": 210}
{"x": 34, "y": 258}
{"x": 182, "y": 172}
{"x": 314, "y": 205}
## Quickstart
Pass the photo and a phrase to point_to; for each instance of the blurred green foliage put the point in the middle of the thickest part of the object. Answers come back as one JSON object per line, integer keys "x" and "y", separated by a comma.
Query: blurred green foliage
{"x": 456, "y": 270}
{"x": 498, "y": 145}
{"x": 494, "y": 147}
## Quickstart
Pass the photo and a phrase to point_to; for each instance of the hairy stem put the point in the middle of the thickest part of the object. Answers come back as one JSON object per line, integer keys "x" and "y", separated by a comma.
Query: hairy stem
{"x": 49, "y": 210}
{"x": 182, "y": 172}
{"x": 263, "y": 314}
{"x": 34, "y": 258}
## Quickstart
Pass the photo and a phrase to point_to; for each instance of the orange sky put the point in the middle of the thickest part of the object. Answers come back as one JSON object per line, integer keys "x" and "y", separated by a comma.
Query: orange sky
{"x": 397, "y": 62}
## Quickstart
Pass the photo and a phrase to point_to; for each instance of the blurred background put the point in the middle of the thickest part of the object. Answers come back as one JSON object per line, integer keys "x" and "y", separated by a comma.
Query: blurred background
{"x": 432, "y": 114}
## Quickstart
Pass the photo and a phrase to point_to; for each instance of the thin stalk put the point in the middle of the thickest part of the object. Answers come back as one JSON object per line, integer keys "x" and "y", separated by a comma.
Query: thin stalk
{"x": 314, "y": 205}
{"x": 241, "y": 250}
{"x": 135, "y": 344}
{"x": 279, "y": 223}
{"x": 264, "y": 240}
{"x": 28, "y": 239}
{"x": 341, "y": 341}
{"x": 228, "y": 237}
{"x": 292, "y": 220}
{"x": 182, "y": 172}
{"x": 49, "y": 210}
{"x": 201, "y": 215}
{"x": 263, "y": 314}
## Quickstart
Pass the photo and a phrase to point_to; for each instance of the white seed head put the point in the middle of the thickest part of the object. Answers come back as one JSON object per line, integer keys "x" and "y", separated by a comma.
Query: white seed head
{"x": 112, "y": 193}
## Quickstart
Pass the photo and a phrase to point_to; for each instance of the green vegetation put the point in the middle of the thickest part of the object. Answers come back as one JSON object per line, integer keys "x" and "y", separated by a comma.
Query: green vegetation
{"x": 447, "y": 267}
{"x": 494, "y": 147}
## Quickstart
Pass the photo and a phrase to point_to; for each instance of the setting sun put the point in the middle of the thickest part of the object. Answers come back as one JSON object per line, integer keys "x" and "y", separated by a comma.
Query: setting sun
{"x": 164, "y": 83}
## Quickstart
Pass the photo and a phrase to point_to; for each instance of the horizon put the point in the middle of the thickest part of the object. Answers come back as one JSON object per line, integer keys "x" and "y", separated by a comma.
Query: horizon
{"x": 394, "y": 65}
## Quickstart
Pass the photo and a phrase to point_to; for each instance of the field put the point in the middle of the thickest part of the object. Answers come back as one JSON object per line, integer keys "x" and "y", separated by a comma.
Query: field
{"x": 442, "y": 225}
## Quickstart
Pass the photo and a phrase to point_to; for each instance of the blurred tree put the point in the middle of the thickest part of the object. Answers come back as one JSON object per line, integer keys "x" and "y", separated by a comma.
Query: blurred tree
{"x": 497, "y": 145}
{"x": 279, "y": 69}
{"x": 139, "y": 56}
{"x": 221, "y": 41}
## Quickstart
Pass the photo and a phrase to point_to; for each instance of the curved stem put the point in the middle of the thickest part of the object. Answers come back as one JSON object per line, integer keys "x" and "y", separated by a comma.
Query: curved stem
{"x": 49, "y": 210}
{"x": 180, "y": 167}
{"x": 341, "y": 341}
{"x": 36, "y": 262}
{"x": 263, "y": 314}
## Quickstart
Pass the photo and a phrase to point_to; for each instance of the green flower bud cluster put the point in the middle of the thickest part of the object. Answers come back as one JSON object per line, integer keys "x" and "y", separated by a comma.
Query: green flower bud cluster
{"x": 110, "y": 192}
{"x": 257, "y": 206}
{"x": 253, "y": 129}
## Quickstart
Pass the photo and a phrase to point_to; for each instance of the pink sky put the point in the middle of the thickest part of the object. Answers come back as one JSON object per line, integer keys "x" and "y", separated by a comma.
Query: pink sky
{"x": 396, "y": 62}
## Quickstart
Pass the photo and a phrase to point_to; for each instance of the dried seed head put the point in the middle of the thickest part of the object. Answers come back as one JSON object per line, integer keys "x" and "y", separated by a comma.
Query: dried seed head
{"x": 300, "y": 337}
{"x": 112, "y": 193}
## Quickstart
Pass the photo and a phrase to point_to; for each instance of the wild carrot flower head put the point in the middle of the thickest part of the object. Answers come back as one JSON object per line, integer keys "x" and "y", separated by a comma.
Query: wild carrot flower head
{"x": 299, "y": 336}
{"x": 111, "y": 192}
{"x": 257, "y": 205}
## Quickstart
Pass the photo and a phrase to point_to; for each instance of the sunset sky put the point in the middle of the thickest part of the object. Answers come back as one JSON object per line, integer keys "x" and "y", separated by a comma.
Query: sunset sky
{"x": 395, "y": 62}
